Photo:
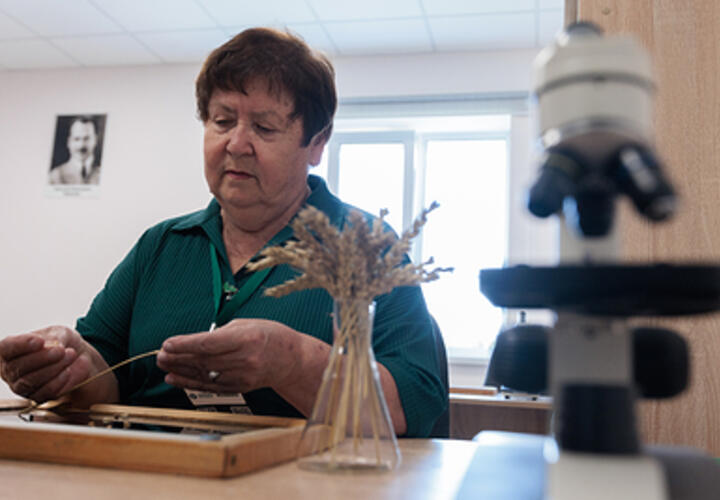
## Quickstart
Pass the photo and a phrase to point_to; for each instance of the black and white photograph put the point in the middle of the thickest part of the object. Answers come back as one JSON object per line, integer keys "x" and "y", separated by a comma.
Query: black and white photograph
{"x": 77, "y": 150}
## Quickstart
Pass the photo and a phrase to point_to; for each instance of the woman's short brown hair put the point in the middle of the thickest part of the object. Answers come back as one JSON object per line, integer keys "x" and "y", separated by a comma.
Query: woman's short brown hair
{"x": 286, "y": 63}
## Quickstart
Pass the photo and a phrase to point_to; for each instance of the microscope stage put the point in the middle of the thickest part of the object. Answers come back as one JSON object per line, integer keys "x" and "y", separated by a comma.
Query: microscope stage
{"x": 606, "y": 290}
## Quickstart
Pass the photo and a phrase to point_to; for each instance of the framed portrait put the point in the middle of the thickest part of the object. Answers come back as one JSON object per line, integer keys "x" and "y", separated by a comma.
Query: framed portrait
{"x": 76, "y": 163}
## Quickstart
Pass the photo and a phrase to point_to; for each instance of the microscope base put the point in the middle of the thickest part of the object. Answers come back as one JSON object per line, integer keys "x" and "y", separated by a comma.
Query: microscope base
{"x": 599, "y": 477}
{"x": 512, "y": 466}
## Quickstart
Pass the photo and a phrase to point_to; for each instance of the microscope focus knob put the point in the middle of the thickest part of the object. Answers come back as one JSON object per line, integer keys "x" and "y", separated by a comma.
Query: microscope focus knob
{"x": 661, "y": 362}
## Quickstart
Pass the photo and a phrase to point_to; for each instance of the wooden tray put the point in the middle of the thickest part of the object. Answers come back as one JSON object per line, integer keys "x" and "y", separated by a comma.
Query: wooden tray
{"x": 258, "y": 441}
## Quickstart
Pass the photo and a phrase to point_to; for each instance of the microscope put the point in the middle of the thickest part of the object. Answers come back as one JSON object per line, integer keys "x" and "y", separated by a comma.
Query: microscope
{"x": 594, "y": 98}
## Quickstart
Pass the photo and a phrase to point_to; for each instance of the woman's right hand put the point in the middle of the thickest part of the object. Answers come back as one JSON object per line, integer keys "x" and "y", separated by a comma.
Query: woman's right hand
{"x": 46, "y": 363}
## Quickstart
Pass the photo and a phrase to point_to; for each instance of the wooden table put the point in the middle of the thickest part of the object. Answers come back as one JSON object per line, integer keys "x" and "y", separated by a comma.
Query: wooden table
{"x": 430, "y": 469}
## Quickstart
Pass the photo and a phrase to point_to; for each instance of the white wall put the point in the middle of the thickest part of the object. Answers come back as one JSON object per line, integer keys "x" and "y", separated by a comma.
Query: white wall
{"x": 449, "y": 73}
{"x": 56, "y": 253}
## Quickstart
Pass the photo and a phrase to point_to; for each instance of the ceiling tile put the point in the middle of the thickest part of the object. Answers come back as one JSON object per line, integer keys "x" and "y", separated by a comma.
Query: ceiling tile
{"x": 27, "y": 54}
{"x": 258, "y": 13}
{"x": 54, "y": 18}
{"x": 9, "y": 28}
{"x": 457, "y": 7}
{"x": 313, "y": 33}
{"x": 380, "y": 37}
{"x": 155, "y": 15}
{"x": 106, "y": 50}
{"x": 552, "y": 4}
{"x": 315, "y": 36}
{"x": 334, "y": 10}
{"x": 550, "y": 24}
{"x": 485, "y": 32}
{"x": 186, "y": 46}
{"x": 186, "y": 30}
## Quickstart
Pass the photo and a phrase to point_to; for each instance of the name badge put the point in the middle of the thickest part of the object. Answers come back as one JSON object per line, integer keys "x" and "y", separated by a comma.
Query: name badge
{"x": 202, "y": 400}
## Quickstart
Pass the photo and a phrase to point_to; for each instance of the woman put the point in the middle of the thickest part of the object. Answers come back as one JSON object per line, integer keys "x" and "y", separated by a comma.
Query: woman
{"x": 267, "y": 103}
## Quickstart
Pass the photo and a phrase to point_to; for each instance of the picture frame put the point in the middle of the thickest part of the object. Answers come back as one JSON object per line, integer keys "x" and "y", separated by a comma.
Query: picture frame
{"x": 77, "y": 155}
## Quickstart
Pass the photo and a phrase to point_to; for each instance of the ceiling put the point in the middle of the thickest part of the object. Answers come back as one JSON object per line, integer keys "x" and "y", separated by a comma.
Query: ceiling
{"x": 81, "y": 33}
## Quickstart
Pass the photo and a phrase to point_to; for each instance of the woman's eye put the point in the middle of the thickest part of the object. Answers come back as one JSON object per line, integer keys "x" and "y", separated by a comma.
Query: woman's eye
{"x": 264, "y": 130}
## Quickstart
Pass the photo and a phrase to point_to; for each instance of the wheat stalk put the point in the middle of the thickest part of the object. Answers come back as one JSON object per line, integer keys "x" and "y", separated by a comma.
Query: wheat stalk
{"x": 64, "y": 397}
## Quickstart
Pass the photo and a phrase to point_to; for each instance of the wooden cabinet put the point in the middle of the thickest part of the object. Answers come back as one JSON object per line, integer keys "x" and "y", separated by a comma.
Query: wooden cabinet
{"x": 683, "y": 37}
{"x": 473, "y": 413}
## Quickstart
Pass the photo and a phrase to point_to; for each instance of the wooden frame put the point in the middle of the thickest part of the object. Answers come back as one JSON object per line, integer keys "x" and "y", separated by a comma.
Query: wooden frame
{"x": 263, "y": 441}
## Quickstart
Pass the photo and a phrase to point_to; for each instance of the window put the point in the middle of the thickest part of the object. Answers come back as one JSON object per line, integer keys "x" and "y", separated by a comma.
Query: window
{"x": 468, "y": 177}
{"x": 372, "y": 171}
{"x": 471, "y": 165}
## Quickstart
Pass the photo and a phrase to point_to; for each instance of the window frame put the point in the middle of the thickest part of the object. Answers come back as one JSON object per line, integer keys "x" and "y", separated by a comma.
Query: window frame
{"x": 422, "y": 139}
{"x": 415, "y": 146}
{"x": 406, "y": 138}
{"x": 523, "y": 238}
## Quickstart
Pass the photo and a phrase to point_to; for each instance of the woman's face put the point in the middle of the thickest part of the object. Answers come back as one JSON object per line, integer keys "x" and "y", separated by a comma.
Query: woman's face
{"x": 254, "y": 161}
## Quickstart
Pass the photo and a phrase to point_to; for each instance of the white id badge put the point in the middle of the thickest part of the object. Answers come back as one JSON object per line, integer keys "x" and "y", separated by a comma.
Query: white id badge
{"x": 199, "y": 398}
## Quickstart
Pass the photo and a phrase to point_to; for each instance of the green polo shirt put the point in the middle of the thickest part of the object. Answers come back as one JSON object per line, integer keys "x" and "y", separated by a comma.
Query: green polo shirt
{"x": 164, "y": 287}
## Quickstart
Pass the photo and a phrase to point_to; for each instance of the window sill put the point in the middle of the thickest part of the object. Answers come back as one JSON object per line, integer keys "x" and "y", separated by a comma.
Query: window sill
{"x": 467, "y": 357}
{"x": 467, "y": 367}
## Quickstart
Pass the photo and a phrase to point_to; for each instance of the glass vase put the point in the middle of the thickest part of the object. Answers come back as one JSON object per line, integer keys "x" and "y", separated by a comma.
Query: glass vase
{"x": 350, "y": 426}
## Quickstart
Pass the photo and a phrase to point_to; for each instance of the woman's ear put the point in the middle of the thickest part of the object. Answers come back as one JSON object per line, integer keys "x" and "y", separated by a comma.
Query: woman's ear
{"x": 317, "y": 145}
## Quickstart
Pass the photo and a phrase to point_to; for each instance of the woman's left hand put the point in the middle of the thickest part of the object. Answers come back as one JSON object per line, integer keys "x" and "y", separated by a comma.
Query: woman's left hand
{"x": 240, "y": 356}
{"x": 248, "y": 354}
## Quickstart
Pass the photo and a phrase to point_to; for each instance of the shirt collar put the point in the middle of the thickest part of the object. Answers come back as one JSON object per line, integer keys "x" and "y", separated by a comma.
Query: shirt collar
{"x": 322, "y": 199}
{"x": 199, "y": 218}
{"x": 210, "y": 222}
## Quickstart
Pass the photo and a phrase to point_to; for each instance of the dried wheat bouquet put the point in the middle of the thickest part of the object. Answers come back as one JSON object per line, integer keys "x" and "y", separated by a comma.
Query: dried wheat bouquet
{"x": 358, "y": 263}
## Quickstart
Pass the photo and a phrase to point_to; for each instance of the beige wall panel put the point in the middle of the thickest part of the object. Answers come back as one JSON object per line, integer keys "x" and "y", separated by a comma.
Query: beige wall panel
{"x": 683, "y": 37}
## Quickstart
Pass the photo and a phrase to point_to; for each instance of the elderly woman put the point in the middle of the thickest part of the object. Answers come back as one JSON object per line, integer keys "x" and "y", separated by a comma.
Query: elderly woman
{"x": 267, "y": 103}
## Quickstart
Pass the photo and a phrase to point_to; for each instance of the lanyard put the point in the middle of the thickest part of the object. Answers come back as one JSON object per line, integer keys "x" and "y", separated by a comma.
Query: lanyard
{"x": 224, "y": 313}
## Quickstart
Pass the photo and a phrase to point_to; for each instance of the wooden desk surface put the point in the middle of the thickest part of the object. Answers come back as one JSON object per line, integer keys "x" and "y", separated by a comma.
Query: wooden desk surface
{"x": 430, "y": 469}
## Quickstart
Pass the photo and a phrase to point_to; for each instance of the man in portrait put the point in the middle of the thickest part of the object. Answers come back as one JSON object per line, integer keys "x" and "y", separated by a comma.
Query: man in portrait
{"x": 83, "y": 164}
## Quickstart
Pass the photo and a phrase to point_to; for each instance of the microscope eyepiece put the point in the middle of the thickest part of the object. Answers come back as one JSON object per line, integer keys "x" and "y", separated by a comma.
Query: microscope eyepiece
{"x": 558, "y": 175}
{"x": 640, "y": 177}
{"x": 591, "y": 211}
